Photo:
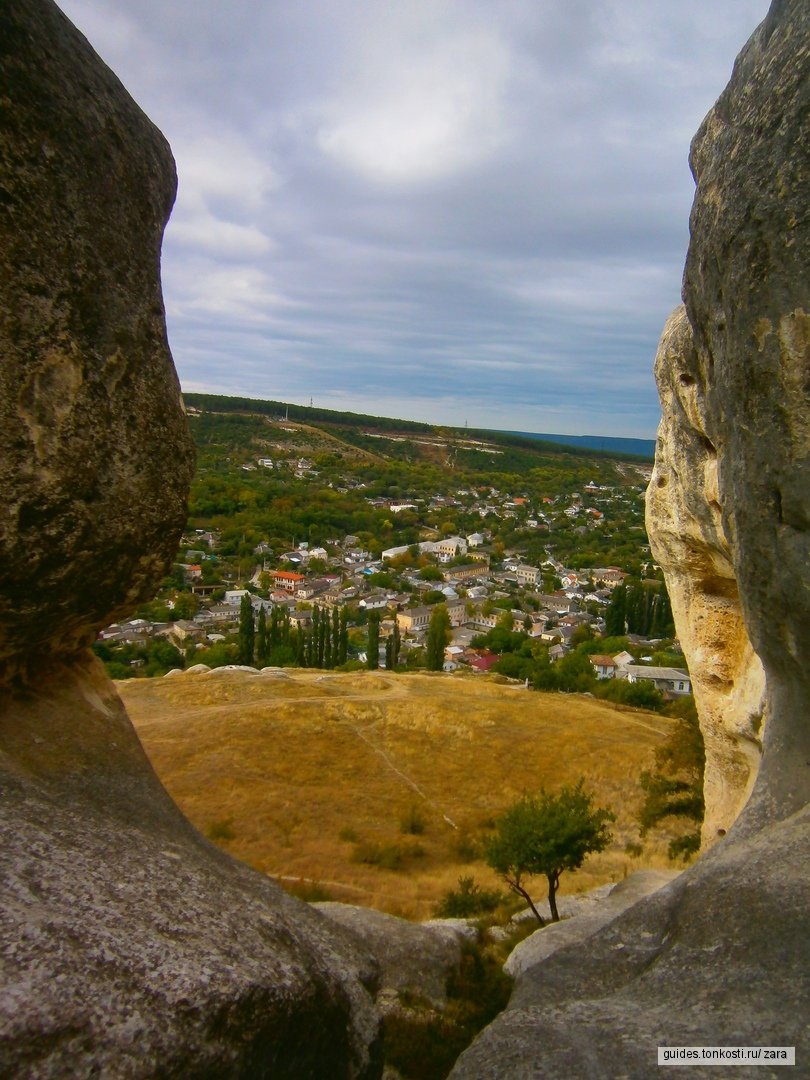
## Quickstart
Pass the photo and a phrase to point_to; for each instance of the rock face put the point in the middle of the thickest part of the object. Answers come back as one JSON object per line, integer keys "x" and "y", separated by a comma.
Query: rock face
{"x": 129, "y": 946}
{"x": 95, "y": 456}
{"x": 720, "y": 956}
{"x": 688, "y": 540}
{"x": 584, "y": 923}
{"x": 747, "y": 300}
{"x": 413, "y": 958}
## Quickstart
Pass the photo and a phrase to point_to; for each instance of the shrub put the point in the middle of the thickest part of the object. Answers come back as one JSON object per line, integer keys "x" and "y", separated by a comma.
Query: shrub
{"x": 413, "y": 822}
{"x": 424, "y": 1045}
{"x": 684, "y": 846}
{"x": 221, "y": 830}
{"x": 468, "y": 900}
{"x": 467, "y": 848}
{"x": 310, "y": 891}
{"x": 348, "y": 834}
{"x": 386, "y": 856}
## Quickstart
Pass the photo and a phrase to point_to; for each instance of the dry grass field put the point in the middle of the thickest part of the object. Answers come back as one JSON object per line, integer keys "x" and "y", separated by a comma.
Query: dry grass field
{"x": 298, "y": 772}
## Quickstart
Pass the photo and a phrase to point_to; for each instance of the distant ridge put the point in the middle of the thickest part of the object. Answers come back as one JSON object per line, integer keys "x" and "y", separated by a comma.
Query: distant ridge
{"x": 644, "y": 448}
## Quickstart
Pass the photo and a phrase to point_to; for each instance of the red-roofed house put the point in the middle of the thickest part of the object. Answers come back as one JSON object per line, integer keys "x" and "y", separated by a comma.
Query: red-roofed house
{"x": 287, "y": 580}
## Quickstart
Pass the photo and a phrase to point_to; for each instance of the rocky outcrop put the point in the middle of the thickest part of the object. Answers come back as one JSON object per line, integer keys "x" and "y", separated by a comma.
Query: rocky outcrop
{"x": 720, "y": 956}
{"x": 688, "y": 539}
{"x": 582, "y": 921}
{"x": 95, "y": 455}
{"x": 747, "y": 300}
{"x": 413, "y": 958}
{"x": 129, "y": 946}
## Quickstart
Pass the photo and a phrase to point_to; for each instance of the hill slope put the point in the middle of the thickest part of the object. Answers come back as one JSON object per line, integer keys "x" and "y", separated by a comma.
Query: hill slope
{"x": 299, "y": 773}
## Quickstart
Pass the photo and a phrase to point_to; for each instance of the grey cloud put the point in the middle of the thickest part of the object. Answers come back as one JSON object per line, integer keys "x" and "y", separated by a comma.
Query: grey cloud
{"x": 438, "y": 207}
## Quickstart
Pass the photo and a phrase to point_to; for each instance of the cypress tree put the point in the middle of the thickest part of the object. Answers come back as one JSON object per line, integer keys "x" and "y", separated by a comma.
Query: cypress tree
{"x": 396, "y": 644}
{"x": 323, "y": 626}
{"x": 615, "y": 614}
{"x": 373, "y": 651}
{"x": 328, "y": 648}
{"x": 336, "y": 638}
{"x": 343, "y": 649}
{"x": 246, "y": 631}
{"x": 438, "y": 636}
{"x": 262, "y": 640}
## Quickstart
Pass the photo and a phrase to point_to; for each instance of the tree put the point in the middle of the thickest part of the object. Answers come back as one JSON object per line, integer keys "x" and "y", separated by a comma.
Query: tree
{"x": 547, "y": 834}
{"x": 675, "y": 788}
{"x": 246, "y": 631}
{"x": 431, "y": 573}
{"x": 438, "y": 636}
{"x": 615, "y": 614}
{"x": 262, "y": 639}
{"x": 373, "y": 651}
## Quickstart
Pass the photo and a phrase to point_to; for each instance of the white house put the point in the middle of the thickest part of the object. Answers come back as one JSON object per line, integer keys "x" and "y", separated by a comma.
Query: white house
{"x": 668, "y": 679}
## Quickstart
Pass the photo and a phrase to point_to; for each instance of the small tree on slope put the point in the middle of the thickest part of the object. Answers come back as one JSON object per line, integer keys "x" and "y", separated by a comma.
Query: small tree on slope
{"x": 547, "y": 834}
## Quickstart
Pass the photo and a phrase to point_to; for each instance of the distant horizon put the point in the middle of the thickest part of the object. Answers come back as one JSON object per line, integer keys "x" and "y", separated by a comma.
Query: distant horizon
{"x": 418, "y": 420}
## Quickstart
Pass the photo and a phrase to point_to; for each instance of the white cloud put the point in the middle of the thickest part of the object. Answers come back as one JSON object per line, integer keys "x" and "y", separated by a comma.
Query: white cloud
{"x": 418, "y": 107}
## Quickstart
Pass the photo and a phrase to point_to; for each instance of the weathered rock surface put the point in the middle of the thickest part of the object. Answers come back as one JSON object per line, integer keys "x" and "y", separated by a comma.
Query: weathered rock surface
{"x": 721, "y": 955}
{"x": 582, "y": 924}
{"x": 717, "y": 958}
{"x": 129, "y": 946}
{"x": 687, "y": 538}
{"x": 412, "y": 957}
{"x": 95, "y": 455}
{"x": 747, "y": 298}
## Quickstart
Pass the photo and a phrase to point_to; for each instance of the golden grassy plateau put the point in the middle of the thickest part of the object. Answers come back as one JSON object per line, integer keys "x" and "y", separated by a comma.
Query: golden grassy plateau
{"x": 293, "y": 773}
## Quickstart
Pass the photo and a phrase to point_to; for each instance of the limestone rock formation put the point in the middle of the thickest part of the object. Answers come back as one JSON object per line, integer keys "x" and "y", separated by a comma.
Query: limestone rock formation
{"x": 748, "y": 303}
{"x": 688, "y": 539}
{"x": 720, "y": 956}
{"x": 129, "y": 946}
{"x": 413, "y": 958}
{"x": 95, "y": 455}
{"x": 580, "y": 925}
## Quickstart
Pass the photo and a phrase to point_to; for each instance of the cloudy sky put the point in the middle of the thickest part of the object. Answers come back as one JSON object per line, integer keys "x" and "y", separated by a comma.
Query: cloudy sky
{"x": 442, "y": 210}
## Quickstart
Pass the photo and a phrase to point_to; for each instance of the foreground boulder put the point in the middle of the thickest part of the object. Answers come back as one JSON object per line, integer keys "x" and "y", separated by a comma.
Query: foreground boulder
{"x": 720, "y": 956}
{"x": 129, "y": 946}
{"x": 413, "y": 958}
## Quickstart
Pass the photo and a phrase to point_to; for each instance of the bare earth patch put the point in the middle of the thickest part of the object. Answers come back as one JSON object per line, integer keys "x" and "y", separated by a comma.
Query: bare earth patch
{"x": 301, "y": 775}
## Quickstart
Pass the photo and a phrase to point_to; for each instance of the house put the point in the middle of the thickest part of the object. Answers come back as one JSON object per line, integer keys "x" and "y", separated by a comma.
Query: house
{"x": 450, "y": 547}
{"x": 412, "y": 620}
{"x": 623, "y": 658}
{"x": 374, "y": 602}
{"x": 610, "y": 576}
{"x": 307, "y": 589}
{"x": 484, "y": 662}
{"x": 667, "y": 680}
{"x": 526, "y": 575}
{"x": 233, "y": 597}
{"x": 475, "y": 539}
{"x": 288, "y": 580}
{"x": 603, "y": 666}
{"x": 468, "y": 570}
